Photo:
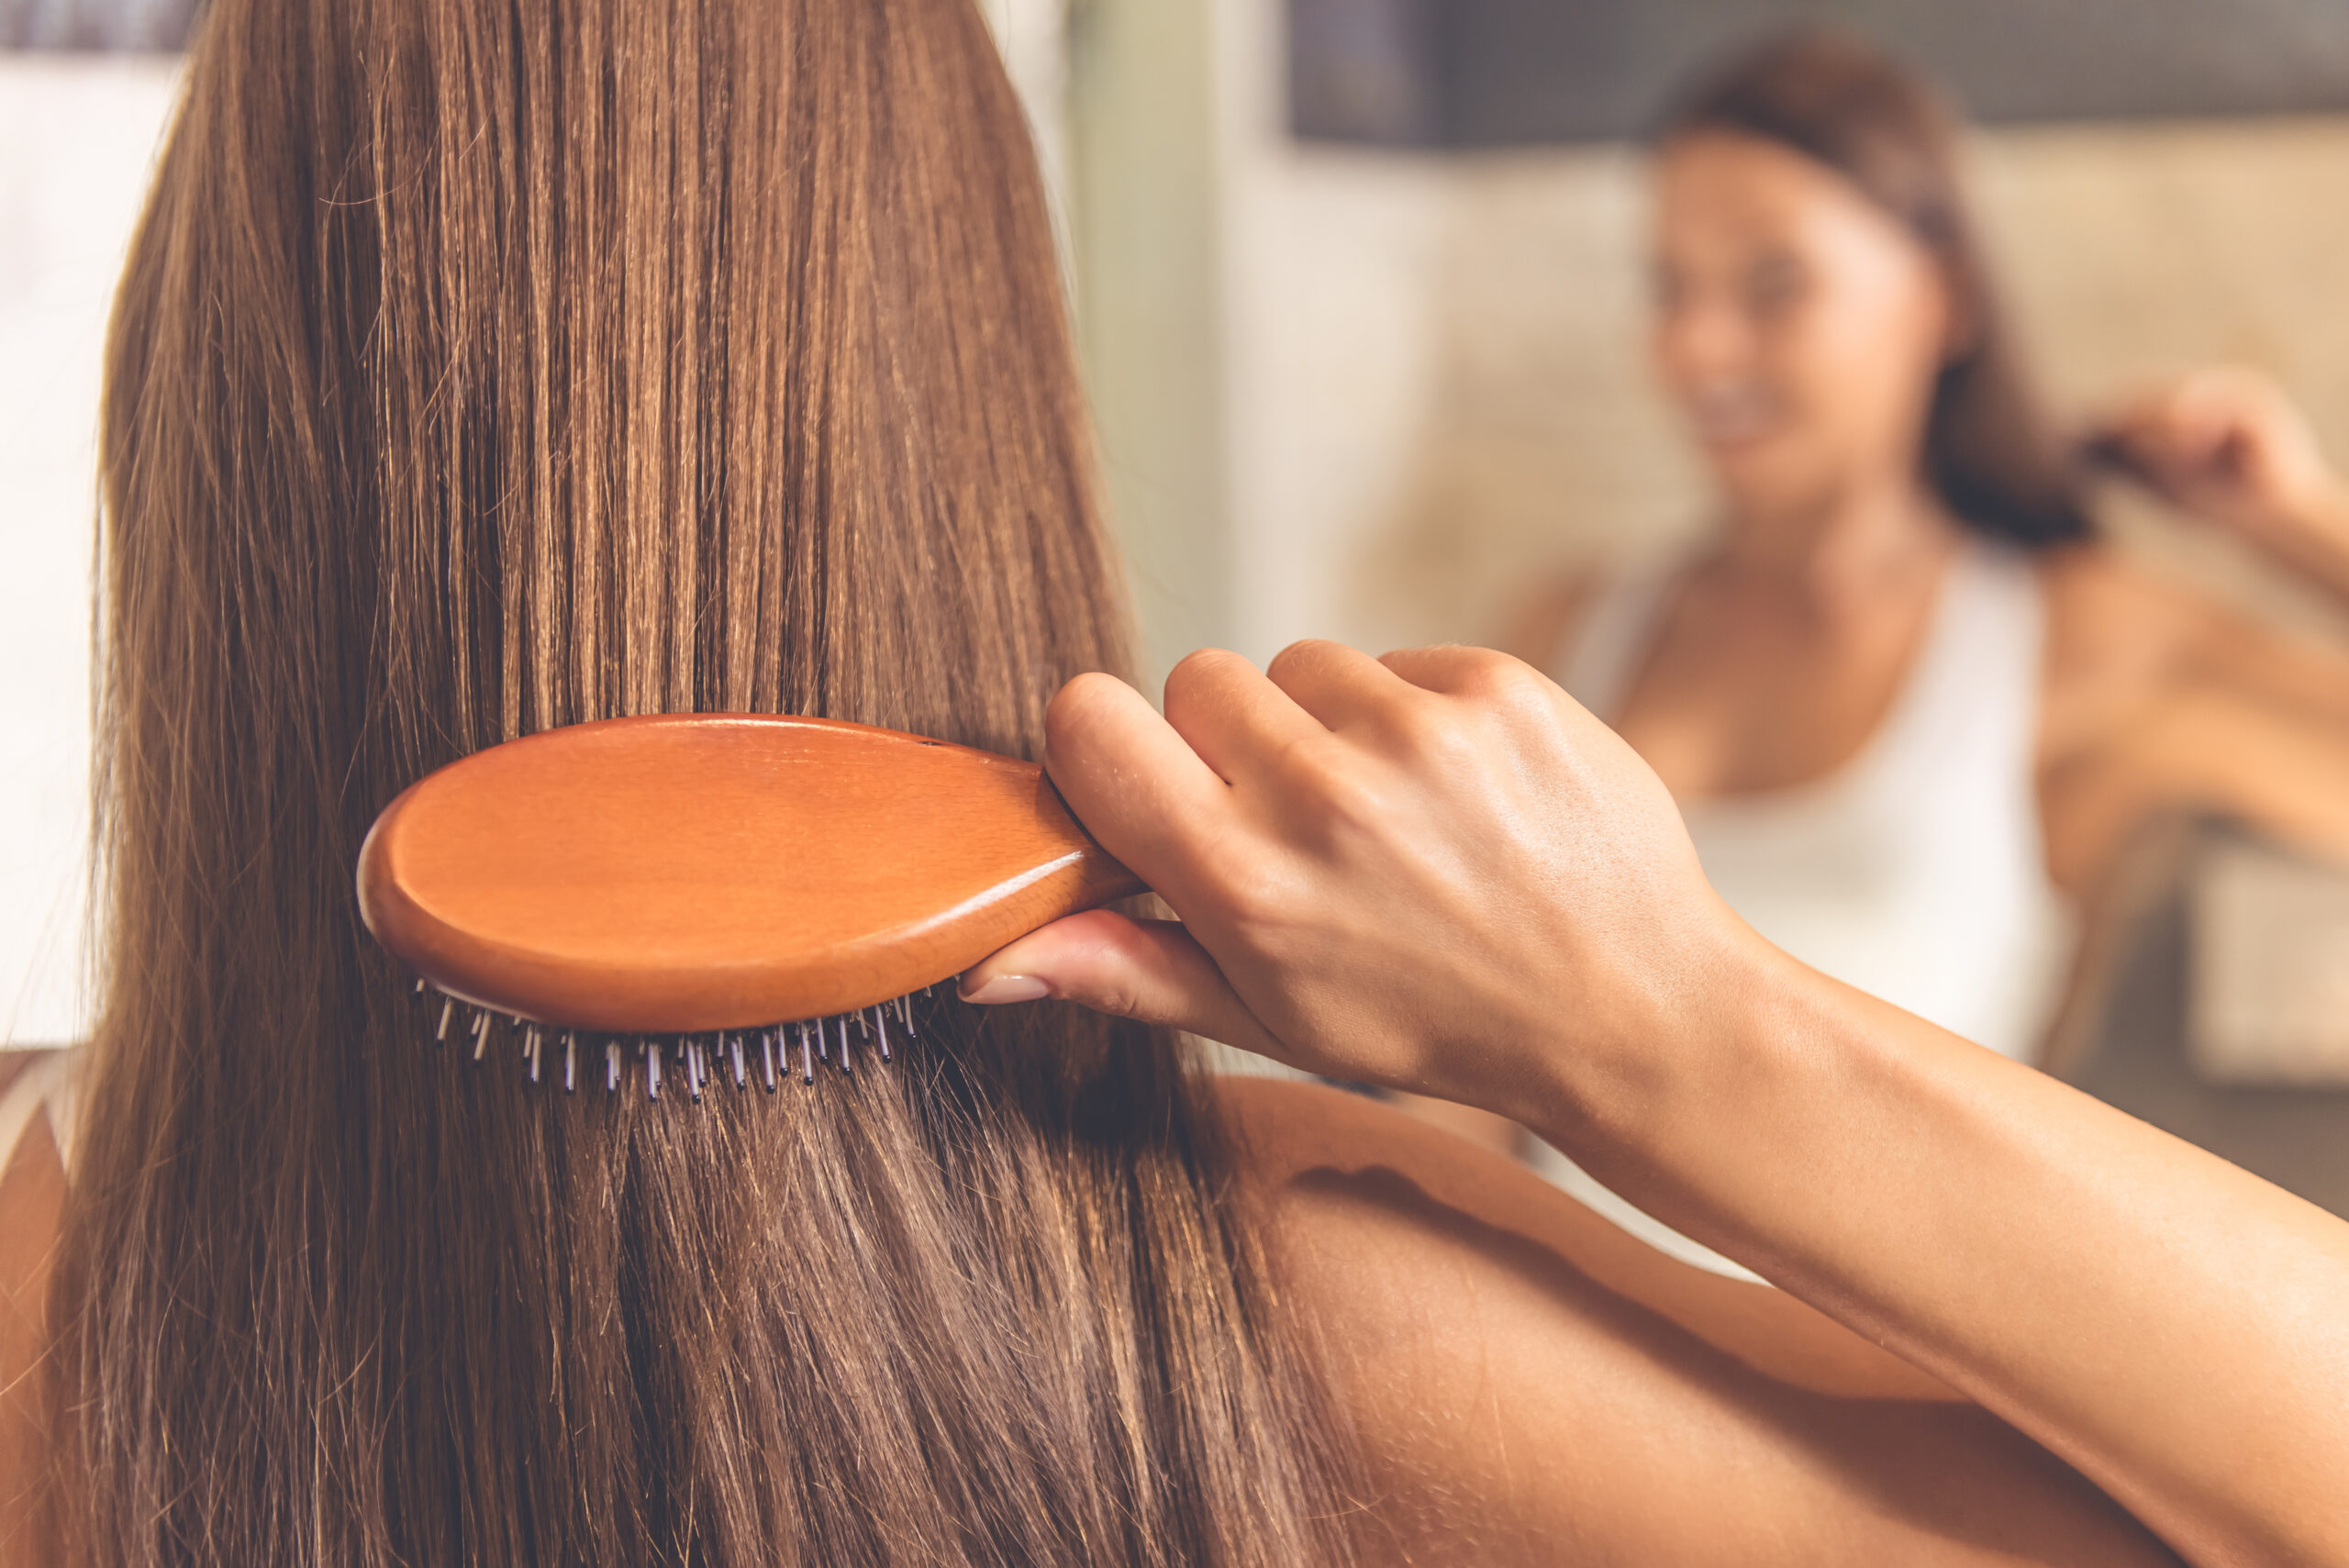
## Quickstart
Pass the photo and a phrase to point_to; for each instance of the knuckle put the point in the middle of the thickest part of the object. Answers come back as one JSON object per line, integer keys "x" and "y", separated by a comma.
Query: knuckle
{"x": 1303, "y": 654}
{"x": 1310, "y": 767}
{"x": 1074, "y": 706}
{"x": 1416, "y": 722}
{"x": 1495, "y": 706}
{"x": 1514, "y": 689}
{"x": 1119, "y": 997}
{"x": 1447, "y": 740}
{"x": 1332, "y": 790}
{"x": 1201, "y": 670}
{"x": 1491, "y": 677}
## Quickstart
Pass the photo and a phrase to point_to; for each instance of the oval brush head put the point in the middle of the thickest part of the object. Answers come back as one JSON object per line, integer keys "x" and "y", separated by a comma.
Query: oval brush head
{"x": 678, "y": 874}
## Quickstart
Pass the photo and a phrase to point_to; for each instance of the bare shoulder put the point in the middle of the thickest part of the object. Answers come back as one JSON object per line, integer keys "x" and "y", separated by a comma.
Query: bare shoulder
{"x": 32, "y": 1199}
{"x": 2101, "y": 603}
{"x": 2120, "y": 639}
{"x": 1370, "y": 1192}
{"x": 2104, "y": 607}
{"x": 32, "y": 1187}
{"x": 1525, "y": 1375}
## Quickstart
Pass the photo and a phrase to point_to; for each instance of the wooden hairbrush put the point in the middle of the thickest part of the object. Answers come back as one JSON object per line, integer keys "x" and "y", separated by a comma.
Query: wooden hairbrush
{"x": 714, "y": 889}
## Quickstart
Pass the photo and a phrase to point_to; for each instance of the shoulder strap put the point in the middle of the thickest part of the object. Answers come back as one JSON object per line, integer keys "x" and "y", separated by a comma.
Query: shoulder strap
{"x": 40, "y": 1080}
{"x": 1980, "y": 673}
{"x": 1602, "y": 657}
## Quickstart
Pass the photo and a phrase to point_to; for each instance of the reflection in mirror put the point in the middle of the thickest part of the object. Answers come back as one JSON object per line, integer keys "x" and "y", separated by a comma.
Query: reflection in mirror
{"x": 1445, "y": 390}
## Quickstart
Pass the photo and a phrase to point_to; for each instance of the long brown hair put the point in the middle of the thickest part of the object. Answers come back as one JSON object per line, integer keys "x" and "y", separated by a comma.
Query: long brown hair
{"x": 1989, "y": 450}
{"x": 485, "y": 365}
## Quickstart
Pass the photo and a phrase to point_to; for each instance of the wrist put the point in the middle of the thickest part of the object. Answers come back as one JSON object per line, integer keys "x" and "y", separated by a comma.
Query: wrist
{"x": 1700, "y": 1023}
{"x": 1704, "y": 1128}
{"x": 2325, "y": 518}
{"x": 2312, "y": 534}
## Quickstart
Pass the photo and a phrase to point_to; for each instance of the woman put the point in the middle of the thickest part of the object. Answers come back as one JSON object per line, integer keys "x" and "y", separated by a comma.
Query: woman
{"x": 1913, "y": 712}
{"x": 483, "y": 367}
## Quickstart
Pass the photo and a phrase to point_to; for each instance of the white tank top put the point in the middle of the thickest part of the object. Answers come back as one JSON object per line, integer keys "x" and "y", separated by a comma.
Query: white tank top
{"x": 1917, "y": 870}
{"x": 50, "y": 1085}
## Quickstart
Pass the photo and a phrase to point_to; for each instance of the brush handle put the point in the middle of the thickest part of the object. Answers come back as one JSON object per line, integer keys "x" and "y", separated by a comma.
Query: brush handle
{"x": 679, "y": 873}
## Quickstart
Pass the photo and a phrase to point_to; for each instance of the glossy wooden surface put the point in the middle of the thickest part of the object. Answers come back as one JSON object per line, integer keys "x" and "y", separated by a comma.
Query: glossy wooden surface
{"x": 687, "y": 872}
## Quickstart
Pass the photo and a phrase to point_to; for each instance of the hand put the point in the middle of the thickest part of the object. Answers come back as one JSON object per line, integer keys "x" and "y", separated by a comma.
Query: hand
{"x": 2230, "y": 447}
{"x": 1432, "y": 871}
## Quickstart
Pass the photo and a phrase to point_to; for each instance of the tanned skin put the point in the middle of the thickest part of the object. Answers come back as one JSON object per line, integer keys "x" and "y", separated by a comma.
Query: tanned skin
{"x": 1437, "y": 874}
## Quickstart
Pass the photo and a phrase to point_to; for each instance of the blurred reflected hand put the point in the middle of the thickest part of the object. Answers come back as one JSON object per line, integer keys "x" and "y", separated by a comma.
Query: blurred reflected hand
{"x": 2227, "y": 445}
{"x": 1433, "y": 872}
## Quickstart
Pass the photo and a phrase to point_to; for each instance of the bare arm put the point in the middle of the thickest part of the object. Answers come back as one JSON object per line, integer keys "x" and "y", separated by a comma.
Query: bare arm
{"x": 2217, "y": 750}
{"x": 1437, "y": 872}
{"x": 1525, "y": 1376}
{"x": 2160, "y": 702}
{"x": 2227, "y": 446}
{"x": 32, "y": 1194}
{"x": 2160, "y": 1318}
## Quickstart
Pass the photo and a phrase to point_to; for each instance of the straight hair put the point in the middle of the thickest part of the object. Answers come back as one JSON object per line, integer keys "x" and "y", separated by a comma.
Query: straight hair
{"x": 1989, "y": 451}
{"x": 487, "y": 365}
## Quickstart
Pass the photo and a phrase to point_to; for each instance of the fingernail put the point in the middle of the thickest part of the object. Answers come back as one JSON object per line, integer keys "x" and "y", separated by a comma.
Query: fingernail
{"x": 1009, "y": 988}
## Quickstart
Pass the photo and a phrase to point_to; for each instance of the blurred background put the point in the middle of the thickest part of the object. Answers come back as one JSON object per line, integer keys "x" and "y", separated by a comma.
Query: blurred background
{"x": 1361, "y": 289}
{"x": 85, "y": 91}
{"x": 1363, "y": 282}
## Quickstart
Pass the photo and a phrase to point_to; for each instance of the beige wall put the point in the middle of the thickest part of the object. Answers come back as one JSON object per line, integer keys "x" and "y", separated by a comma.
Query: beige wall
{"x": 2134, "y": 252}
{"x": 1145, "y": 212}
{"x": 77, "y": 134}
{"x": 1431, "y": 372}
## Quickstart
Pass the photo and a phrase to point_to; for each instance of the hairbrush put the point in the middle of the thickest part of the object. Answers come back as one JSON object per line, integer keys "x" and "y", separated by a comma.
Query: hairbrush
{"x": 715, "y": 890}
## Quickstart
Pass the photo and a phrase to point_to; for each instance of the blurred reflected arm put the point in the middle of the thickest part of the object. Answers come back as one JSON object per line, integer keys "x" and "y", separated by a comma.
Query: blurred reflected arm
{"x": 2160, "y": 702}
{"x": 2229, "y": 446}
{"x": 2317, "y": 545}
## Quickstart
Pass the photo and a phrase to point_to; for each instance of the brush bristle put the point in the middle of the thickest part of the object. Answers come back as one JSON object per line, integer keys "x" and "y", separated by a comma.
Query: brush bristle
{"x": 697, "y": 1060}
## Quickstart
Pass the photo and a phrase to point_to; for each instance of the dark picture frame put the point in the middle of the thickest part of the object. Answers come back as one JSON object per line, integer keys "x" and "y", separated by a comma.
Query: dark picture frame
{"x": 98, "y": 27}
{"x": 1471, "y": 73}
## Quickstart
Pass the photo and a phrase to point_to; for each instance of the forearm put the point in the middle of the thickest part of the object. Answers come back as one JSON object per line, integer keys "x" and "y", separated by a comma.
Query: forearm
{"x": 2317, "y": 545}
{"x": 1436, "y": 872}
{"x": 2168, "y": 1324}
{"x": 2229, "y": 753}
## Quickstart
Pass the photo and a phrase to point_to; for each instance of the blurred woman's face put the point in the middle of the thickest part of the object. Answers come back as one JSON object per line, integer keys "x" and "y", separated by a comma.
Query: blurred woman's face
{"x": 1799, "y": 327}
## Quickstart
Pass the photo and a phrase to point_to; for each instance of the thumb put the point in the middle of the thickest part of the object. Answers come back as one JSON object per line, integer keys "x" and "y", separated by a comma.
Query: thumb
{"x": 1151, "y": 971}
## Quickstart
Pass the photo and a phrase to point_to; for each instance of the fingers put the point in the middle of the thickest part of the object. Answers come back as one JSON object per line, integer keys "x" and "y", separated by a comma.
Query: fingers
{"x": 1339, "y": 687}
{"x": 2163, "y": 418}
{"x": 1230, "y": 713}
{"x": 2205, "y": 421}
{"x": 1481, "y": 675}
{"x": 1239, "y": 720}
{"x": 1134, "y": 782}
{"x": 1451, "y": 670}
{"x": 1150, "y": 971}
{"x": 2201, "y": 421}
